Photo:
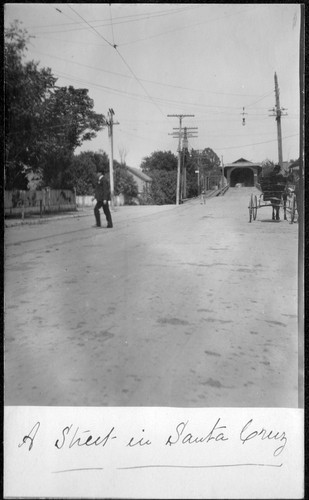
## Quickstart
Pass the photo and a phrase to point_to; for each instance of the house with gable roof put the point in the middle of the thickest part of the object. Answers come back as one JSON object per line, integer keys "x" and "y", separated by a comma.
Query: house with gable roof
{"x": 142, "y": 180}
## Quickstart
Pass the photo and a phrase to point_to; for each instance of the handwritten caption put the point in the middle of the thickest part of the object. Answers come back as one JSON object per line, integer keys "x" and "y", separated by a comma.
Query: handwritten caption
{"x": 72, "y": 436}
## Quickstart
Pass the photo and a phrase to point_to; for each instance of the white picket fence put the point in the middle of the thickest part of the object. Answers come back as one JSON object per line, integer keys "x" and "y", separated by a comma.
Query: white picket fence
{"x": 86, "y": 201}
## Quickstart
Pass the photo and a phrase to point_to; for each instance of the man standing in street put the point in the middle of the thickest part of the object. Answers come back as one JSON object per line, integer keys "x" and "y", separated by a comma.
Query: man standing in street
{"x": 102, "y": 195}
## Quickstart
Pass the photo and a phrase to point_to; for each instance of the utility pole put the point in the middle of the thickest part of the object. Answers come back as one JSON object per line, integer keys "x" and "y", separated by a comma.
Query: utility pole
{"x": 179, "y": 155}
{"x": 110, "y": 123}
{"x": 186, "y": 133}
{"x": 277, "y": 112}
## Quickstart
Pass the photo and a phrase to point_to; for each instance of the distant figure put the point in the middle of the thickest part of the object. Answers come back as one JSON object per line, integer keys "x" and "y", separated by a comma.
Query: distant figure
{"x": 203, "y": 196}
{"x": 102, "y": 195}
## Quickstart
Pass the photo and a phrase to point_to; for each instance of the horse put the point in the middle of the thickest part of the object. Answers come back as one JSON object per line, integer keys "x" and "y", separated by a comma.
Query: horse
{"x": 275, "y": 191}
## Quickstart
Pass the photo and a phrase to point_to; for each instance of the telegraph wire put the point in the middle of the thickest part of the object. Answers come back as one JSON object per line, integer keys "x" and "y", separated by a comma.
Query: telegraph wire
{"x": 139, "y": 17}
{"x": 91, "y": 27}
{"x": 256, "y": 143}
{"x": 261, "y": 99}
{"x": 142, "y": 98}
{"x": 211, "y": 108}
{"x": 123, "y": 60}
{"x": 142, "y": 79}
{"x": 159, "y": 34}
{"x": 109, "y": 89}
{"x": 110, "y": 11}
{"x": 139, "y": 82}
{"x": 185, "y": 27}
{"x": 167, "y": 101}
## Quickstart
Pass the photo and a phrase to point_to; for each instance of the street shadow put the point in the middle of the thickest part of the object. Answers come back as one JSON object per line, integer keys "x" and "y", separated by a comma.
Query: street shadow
{"x": 270, "y": 220}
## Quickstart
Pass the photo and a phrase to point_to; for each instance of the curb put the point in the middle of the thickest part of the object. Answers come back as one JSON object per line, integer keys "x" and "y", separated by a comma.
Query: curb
{"x": 19, "y": 222}
{"x": 42, "y": 220}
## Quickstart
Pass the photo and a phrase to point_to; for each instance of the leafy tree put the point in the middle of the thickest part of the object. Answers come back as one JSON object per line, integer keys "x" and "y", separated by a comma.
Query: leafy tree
{"x": 161, "y": 166}
{"x": 208, "y": 164}
{"x": 26, "y": 87}
{"x": 81, "y": 173}
{"x": 159, "y": 160}
{"x": 163, "y": 187}
{"x": 191, "y": 176}
{"x": 44, "y": 123}
{"x": 68, "y": 120}
{"x": 83, "y": 168}
{"x": 207, "y": 159}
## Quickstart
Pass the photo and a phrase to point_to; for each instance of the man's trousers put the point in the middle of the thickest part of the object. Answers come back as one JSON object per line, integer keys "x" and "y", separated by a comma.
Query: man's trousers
{"x": 106, "y": 211}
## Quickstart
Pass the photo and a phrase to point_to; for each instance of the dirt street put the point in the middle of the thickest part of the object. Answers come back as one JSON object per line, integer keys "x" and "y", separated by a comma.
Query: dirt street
{"x": 174, "y": 306}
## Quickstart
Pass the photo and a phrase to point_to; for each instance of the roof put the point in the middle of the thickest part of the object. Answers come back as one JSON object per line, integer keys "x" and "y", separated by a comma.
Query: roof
{"x": 139, "y": 173}
{"x": 242, "y": 162}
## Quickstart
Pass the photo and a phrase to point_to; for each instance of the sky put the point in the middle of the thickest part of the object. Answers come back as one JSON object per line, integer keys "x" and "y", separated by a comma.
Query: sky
{"x": 147, "y": 61}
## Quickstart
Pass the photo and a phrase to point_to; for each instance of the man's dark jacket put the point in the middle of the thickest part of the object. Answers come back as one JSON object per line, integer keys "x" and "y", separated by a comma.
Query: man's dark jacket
{"x": 102, "y": 190}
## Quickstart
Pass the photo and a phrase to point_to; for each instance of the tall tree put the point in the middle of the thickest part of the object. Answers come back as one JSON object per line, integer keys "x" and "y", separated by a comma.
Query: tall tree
{"x": 26, "y": 88}
{"x": 159, "y": 160}
{"x": 208, "y": 164}
{"x": 81, "y": 174}
{"x": 44, "y": 123}
{"x": 163, "y": 187}
{"x": 69, "y": 120}
{"x": 161, "y": 166}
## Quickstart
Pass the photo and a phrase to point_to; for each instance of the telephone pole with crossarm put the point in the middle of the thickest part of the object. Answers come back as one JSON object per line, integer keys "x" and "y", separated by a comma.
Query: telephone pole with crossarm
{"x": 278, "y": 112}
{"x": 110, "y": 123}
{"x": 179, "y": 154}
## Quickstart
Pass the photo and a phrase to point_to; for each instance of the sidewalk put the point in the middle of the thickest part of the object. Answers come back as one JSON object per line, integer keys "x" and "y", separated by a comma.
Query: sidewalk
{"x": 129, "y": 210}
{"x": 37, "y": 219}
{"x": 125, "y": 211}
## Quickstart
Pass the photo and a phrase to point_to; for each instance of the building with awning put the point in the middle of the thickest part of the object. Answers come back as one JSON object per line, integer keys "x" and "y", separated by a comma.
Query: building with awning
{"x": 242, "y": 172}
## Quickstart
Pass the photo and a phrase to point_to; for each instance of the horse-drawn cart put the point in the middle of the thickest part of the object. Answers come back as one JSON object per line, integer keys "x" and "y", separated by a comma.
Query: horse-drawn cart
{"x": 276, "y": 195}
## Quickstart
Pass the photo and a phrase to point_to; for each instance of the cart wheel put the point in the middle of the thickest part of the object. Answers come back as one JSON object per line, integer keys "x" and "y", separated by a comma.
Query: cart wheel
{"x": 290, "y": 210}
{"x": 250, "y": 208}
{"x": 254, "y": 207}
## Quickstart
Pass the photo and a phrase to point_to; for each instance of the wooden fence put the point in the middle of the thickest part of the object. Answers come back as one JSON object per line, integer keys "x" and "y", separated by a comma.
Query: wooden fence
{"x": 20, "y": 203}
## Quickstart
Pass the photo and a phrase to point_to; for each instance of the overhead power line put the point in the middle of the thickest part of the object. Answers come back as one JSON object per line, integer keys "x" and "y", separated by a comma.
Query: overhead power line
{"x": 123, "y": 59}
{"x": 256, "y": 143}
{"x": 91, "y": 27}
{"x": 124, "y": 19}
{"x": 110, "y": 11}
{"x": 139, "y": 82}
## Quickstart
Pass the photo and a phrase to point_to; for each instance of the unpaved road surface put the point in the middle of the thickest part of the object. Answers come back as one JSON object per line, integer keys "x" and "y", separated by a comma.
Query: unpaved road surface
{"x": 188, "y": 306}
